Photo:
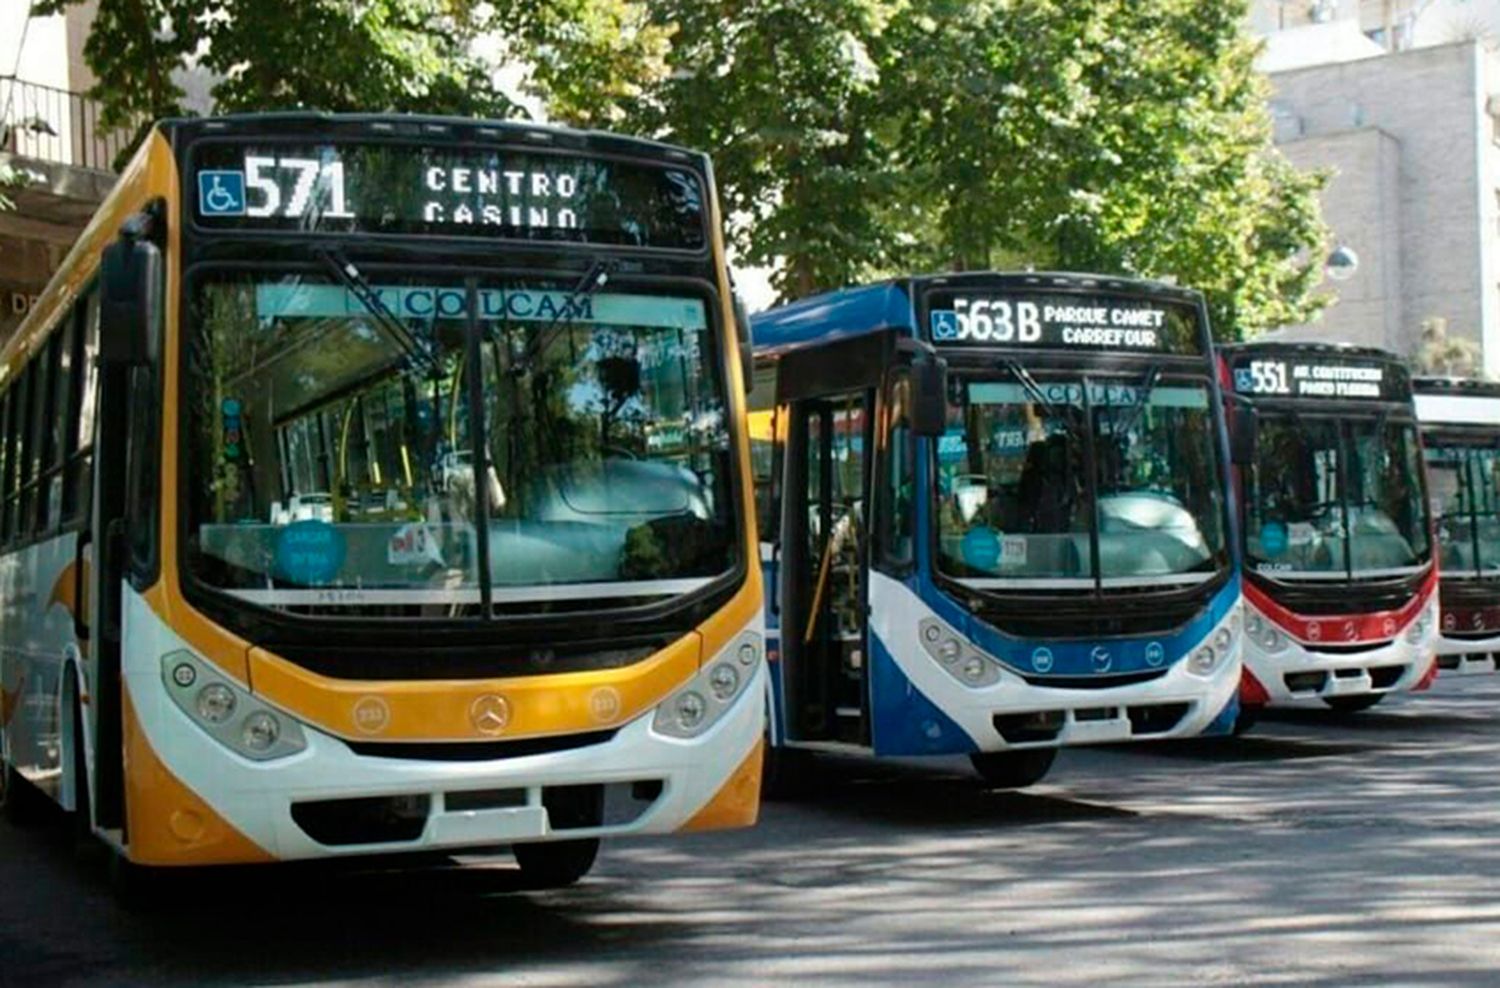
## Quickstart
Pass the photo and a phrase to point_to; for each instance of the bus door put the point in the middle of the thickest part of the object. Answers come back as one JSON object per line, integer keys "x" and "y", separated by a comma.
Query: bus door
{"x": 826, "y": 519}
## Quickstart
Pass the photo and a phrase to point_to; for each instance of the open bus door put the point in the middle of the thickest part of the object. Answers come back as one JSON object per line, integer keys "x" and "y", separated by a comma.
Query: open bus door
{"x": 832, "y": 395}
{"x": 825, "y": 535}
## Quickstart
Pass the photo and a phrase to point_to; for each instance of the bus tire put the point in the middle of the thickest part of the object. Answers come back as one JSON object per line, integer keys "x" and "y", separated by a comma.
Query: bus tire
{"x": 21, "y": 802}
{"x": 1246, "y": 719}
{"x": 1013, "y": 769}
{"x": 555, "y": 864}
{"x": 1353, "y": 704}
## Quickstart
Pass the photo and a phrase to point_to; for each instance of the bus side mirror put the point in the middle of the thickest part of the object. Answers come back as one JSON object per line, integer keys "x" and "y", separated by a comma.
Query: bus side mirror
{"x": 129, "y": 295}
{"x": 1244, "y": 436}
{"x": 929, "y": 395}
{"x": 747, "y": 349}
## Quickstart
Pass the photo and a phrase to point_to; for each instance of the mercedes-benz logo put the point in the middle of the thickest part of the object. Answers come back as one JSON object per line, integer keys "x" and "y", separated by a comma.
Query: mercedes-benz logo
{"x": 490, "y": 714}
{"x": 1102, "y": 659}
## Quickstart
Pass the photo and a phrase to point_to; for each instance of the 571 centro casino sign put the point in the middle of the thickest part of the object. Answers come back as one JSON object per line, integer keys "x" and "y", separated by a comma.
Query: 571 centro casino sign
{"x": 499, "y": 197}
{"x": 449, "y": 191}
{"x": 958, "y": 318}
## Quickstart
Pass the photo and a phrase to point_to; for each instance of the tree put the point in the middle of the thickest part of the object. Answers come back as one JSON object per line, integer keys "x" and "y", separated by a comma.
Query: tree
{"x": 782, "y": 95}
{"x": 1117, "y": 136}
{"x": 1104, "y": 135}
{"x": 331, "y": 55}
{"x": 1439, "y": 353}
{"x": 11, "y": 180}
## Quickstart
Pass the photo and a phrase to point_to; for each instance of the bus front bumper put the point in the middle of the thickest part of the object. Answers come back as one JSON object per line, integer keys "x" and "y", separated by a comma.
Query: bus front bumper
{"x": 1179, "y": 704}
{"x": 191, "y": 800}
{"x": 1298, "y": 672}
{"x": 1468, "y": 656}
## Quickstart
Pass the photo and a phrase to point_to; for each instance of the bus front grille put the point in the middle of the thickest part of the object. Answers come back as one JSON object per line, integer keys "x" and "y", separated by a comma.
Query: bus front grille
{"x": 1096, "y": 682}
{"x": 478, "y": 751}
{"x": 366, "y": 820}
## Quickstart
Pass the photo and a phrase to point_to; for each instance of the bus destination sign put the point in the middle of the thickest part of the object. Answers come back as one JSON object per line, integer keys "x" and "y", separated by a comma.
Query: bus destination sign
{"x": 448, "y": 191}
{"x": 1318, "y": 376}
{"x": 960, "y": 318}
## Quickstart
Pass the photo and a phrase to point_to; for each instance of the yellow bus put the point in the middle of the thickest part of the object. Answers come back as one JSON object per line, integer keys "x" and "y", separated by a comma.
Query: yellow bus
{"x": 375, "y": 484}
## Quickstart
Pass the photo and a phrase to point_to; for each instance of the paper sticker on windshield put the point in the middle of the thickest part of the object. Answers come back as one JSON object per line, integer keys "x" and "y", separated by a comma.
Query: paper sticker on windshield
{"x": 413, "y": 545}
{"x": 1301, "y": 532}
{"x": 1013, "y": 550}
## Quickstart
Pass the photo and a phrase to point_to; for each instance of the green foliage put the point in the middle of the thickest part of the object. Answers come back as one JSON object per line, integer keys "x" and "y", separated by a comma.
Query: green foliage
{"x": 590, "y": 59}
{"x": 783, "y": 94}
{"x": 851, "y": 139}
{"x": 334, "y": 55}
{"x": 1117, "y": 136}
{"x": 1443, "y": 354}
{"x": 10, "y": 181}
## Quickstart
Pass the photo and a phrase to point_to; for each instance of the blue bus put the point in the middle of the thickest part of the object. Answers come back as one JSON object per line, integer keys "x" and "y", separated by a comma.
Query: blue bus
{"x": 994, "y": 519}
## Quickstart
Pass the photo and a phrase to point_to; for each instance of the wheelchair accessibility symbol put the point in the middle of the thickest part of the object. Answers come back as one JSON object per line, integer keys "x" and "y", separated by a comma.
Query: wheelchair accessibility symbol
{"x": 221, "y": 193}
{"x": 944, "y": 325}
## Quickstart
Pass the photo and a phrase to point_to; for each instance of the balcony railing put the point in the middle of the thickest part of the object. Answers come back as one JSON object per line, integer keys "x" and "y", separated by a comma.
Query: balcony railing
{"x": 56, "y": 125}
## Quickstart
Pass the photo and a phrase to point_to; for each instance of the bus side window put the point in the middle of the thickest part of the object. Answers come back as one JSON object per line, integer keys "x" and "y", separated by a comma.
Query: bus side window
{"x": 767, "y": 423}
{"x": 78, "y": 481}
{"x": 59, "y": 398}
{"x": 18, "y": 495}
{"x": 5, "y": 457}
{"x": 896, "y": 499}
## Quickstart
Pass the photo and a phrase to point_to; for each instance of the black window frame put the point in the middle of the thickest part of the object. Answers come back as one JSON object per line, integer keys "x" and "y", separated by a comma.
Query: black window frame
{"x": 40, "y": 432}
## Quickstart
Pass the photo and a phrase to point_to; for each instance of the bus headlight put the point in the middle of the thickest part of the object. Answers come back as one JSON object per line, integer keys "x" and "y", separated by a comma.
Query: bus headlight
{"x": 1204, "y": 660}
{"x": 1263, "y": 634}
{"x": 1417, "y": 630}
{"x": 228, "y": 714}
{"x": 702, "y": 700}
{"x": 956, "y": 656}
{"x": 1208, "y": 657}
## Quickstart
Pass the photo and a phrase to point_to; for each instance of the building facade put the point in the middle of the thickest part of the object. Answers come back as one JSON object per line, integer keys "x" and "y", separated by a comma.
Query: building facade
{"x": 50, "y": 136}
{"x": 1413, "y": 200}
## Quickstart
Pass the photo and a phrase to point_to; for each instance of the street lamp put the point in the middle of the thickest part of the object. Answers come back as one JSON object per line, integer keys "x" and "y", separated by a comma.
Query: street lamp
{"x": 1341, "y": 264}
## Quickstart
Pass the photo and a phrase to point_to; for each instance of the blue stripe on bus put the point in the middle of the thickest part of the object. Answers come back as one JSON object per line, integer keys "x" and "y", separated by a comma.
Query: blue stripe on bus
{"x": 1081, "y": 657}
{"x": 1224, "y": 723}
{"x": 902, "y": 720}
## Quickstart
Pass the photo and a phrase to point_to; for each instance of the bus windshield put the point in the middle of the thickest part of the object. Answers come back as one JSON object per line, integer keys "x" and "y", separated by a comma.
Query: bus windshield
{"x": 1020, "y": 500}
{"x": 331, "y": 455}
{"x": 1464, "y": 475}
{"x": 1335, "y": 498}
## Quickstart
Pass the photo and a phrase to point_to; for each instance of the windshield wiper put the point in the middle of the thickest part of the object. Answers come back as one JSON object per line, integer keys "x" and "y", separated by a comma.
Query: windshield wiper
{"x": 350, "y": 277}
{"x": 1148, "y": 385}
{"x": 1034, "y": 392}
{"x": 595, "y": 278}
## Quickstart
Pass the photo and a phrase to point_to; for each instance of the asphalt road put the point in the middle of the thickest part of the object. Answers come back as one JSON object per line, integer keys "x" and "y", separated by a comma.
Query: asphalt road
{"x": 1318, "y": 850}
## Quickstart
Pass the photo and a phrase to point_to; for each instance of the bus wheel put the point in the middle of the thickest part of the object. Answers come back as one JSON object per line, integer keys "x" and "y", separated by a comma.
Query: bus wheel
{"x": 557, "y": 863}
{"x": 21, "y": 802}
{"x": 1353, "y": 704}
{"x": 1246, "y": 719}
{"x": 1013, "y": 769}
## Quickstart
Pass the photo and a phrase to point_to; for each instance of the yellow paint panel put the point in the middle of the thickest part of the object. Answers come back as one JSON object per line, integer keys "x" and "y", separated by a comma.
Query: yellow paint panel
{"x": 167, "y": 823}
{"x": 468, "y": 710}
{"x": 731, "y": 619}
{"x": 737, "y": 803}
{"x": 224, "y": 650}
